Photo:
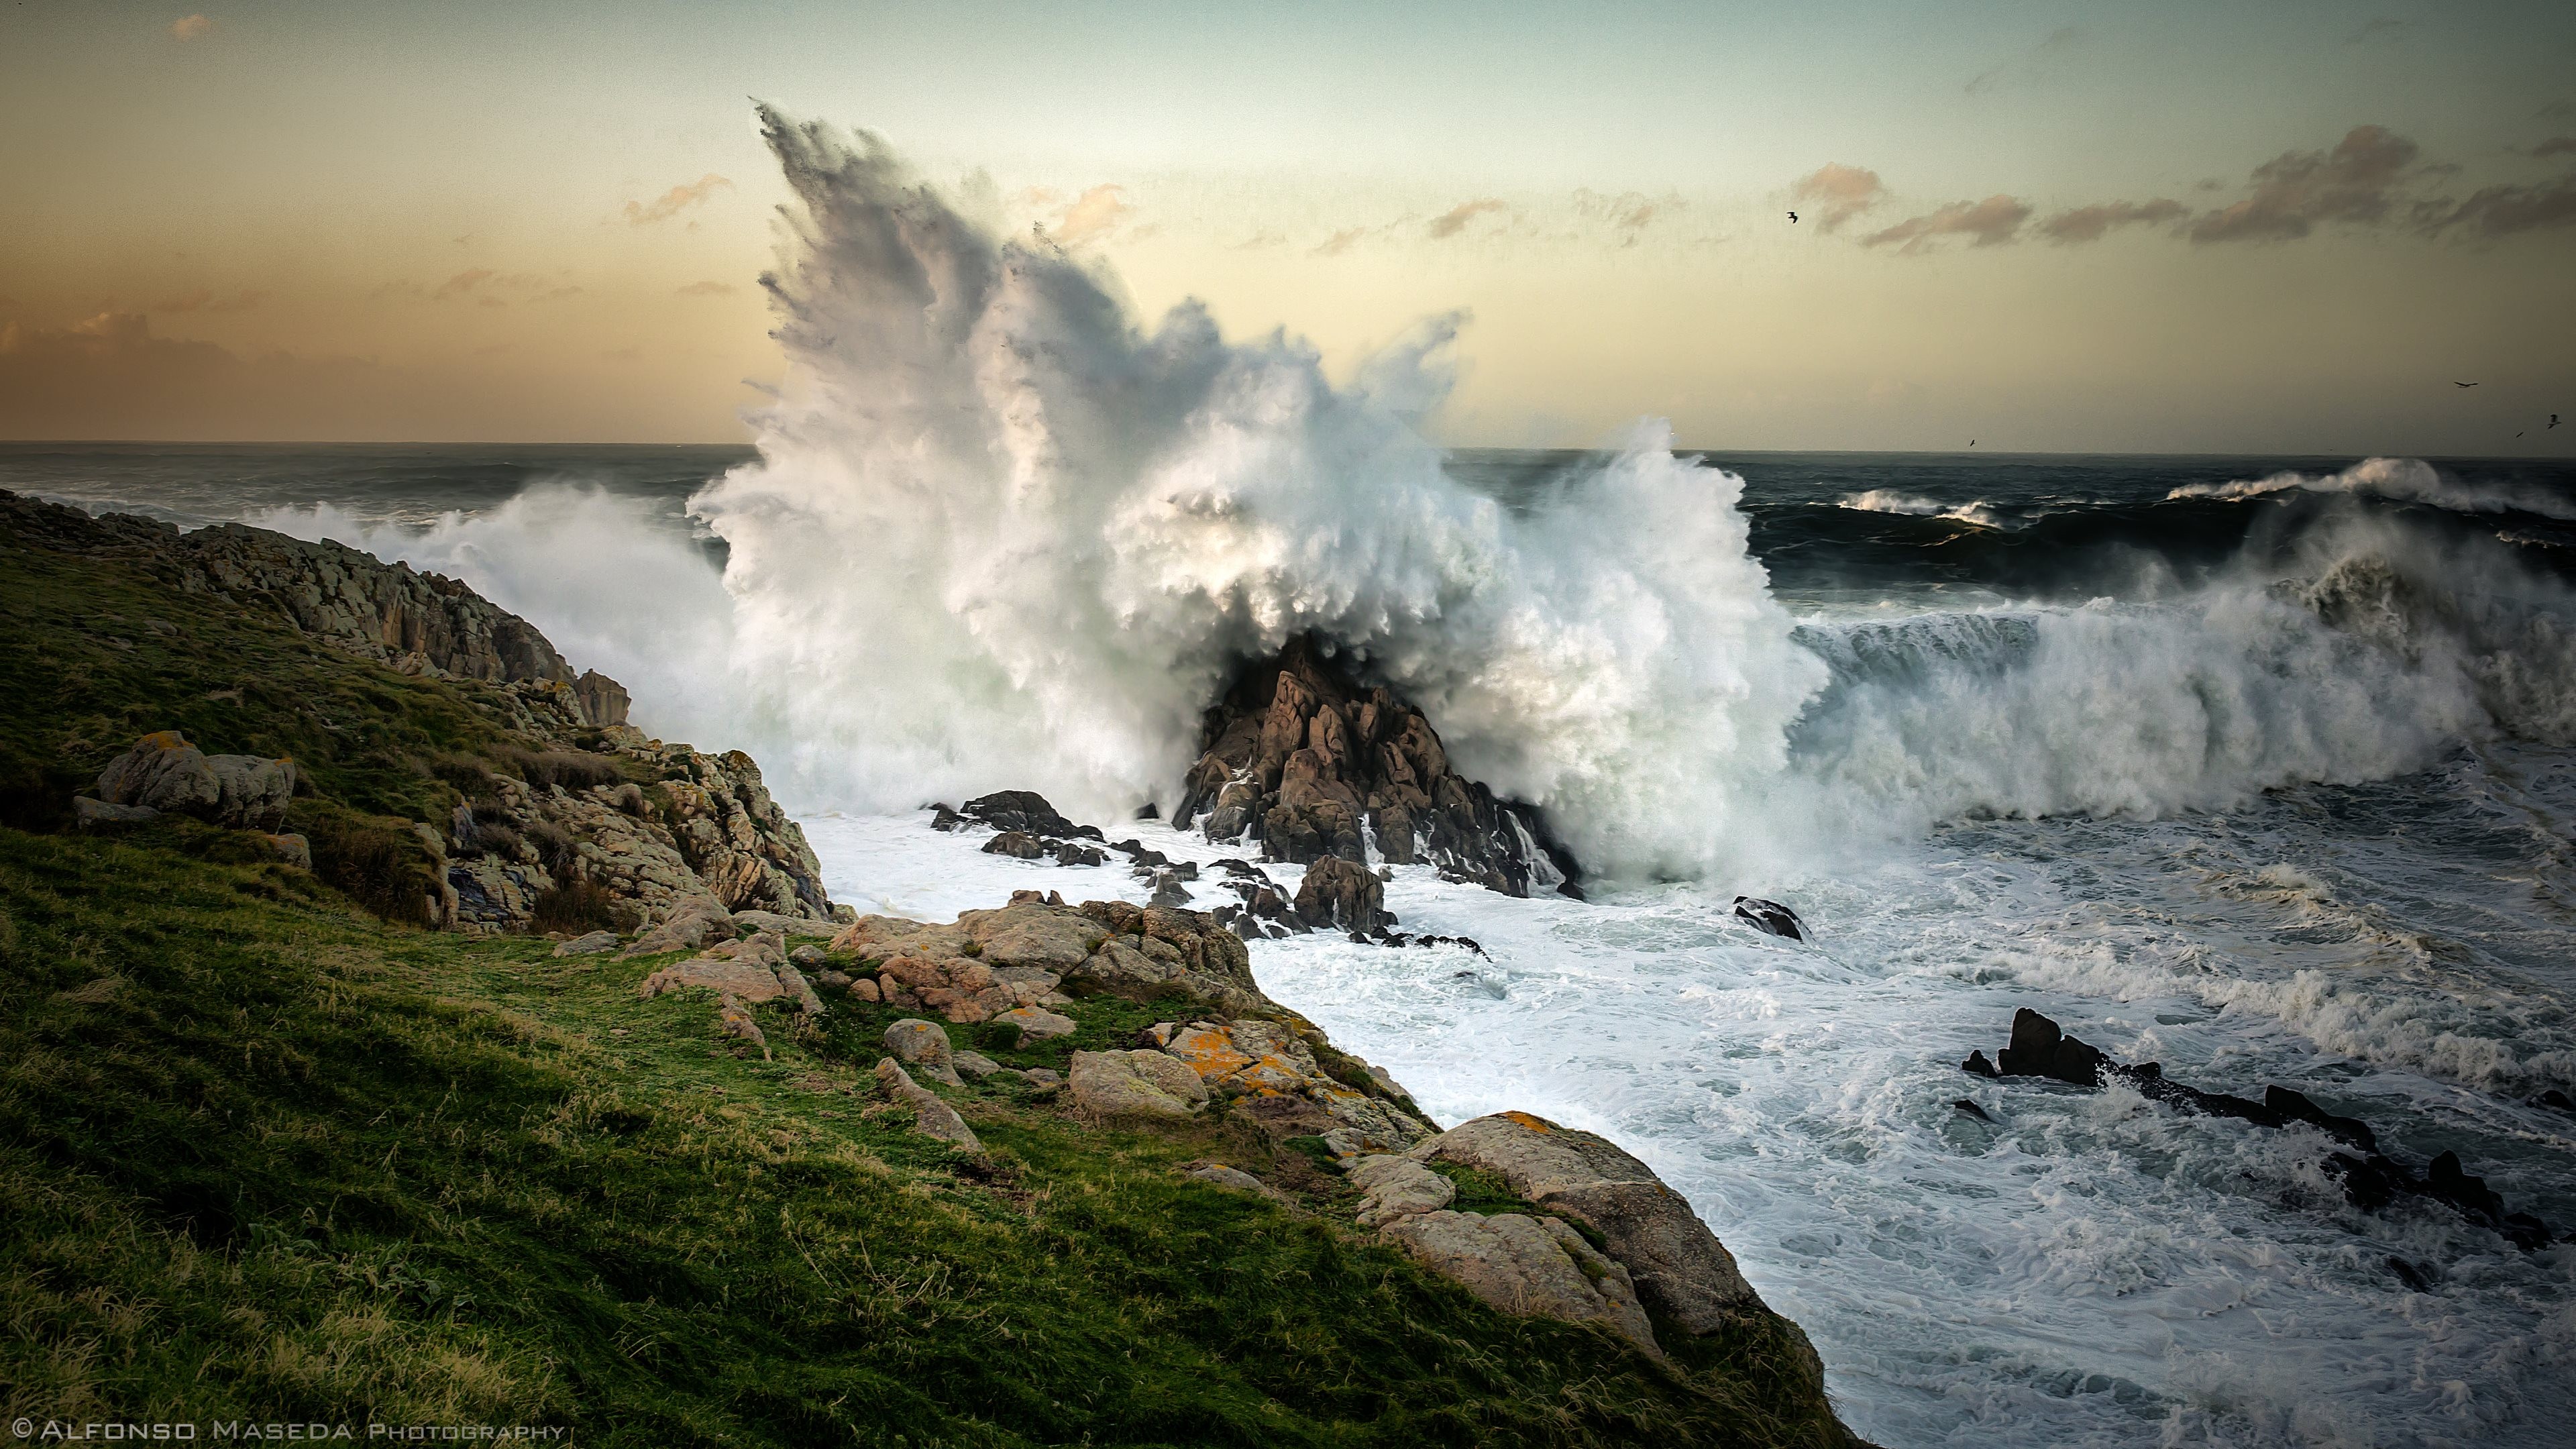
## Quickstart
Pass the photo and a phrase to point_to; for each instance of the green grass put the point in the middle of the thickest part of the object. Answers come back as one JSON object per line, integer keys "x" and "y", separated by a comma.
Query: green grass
{"x": 268, "y": 1157}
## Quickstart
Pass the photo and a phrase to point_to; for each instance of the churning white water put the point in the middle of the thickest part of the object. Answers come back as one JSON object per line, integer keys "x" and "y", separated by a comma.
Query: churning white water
{"x": 2302, "y": 816}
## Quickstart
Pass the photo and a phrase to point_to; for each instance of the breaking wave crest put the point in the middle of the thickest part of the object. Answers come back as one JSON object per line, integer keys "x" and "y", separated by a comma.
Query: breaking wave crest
{"x": 2405, "y": 480}
{"x": 1002, "y": 535}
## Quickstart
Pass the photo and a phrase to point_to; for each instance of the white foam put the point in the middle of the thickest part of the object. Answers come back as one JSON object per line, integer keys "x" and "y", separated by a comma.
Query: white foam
{"x": 2409, "y": 480}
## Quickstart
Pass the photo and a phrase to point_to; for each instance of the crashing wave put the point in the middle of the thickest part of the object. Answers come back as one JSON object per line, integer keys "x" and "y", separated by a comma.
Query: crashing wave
{"x": 2403, "y": 480}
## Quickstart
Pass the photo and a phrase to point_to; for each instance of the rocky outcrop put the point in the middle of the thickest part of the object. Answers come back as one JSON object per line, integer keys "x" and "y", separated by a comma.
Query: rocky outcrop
{"x": 2370, "y": 1179}
{"x": 1337, "y": 893}
{"x": 1679, "y": 1267}
{"x": 1137, "y": 1083}
{"x": 1535, "y": 1266}
{"x": 163, "y": 772}
{"x": 1303, "y": 758}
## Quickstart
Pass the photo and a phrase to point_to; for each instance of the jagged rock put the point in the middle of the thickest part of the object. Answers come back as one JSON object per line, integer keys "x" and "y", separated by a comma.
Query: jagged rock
{"x": 1962, "y": 1104}
{"x": 1168, "y": 892}
{"x": 1977, "y": 1066}
{"x": 807, "y": 926}
{"x": 1340, "y": 894}
{"x": 1251, "y": 1058}
{"x": 603, "y": 700}
{"x": 1300, "y": 756}
{"x": 923, "y": 1044}
{"x": 2039, "y": 1049}
{"x": 1024, "y": 811}
{"x": 165, "y": 772}
{"x": 1148, "y": 953}
{"x": 1534, "y": 1266}
{"x": 2295, "y": 1106}
{"x": 1393, "y": 1187}
{"x": 943, "y": 819}
{"x": 688, "y": 926}
{"x": 590, "y": 945}
{"x": 1036, "y": 1023}
{"x": 1136, "y": 1084}
{"x": 1679, "y": 1265}
{"x": 1018, "y": 844}
{"x": 1071, "y": 854}
{"x": 733, "y": 1020}
{"x": 1770, "y": 917}
{"x": 931, "y": 1116}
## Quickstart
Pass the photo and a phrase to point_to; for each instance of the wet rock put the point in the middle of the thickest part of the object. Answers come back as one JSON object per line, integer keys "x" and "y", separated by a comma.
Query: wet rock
{"x": 1023, "y": 811}
{"x": 931, "y": 1116}
{"x": 944, "y": 819}
{"x": 1679, "y": 1266}
{"x": 1072, "y": 854}
{"x": 1168, "y": 892}
{"x": 1534, "y": 1266}
{"x": 589, "y": 945}
{"x": 1136, "y": 1084}
{"x": 1018, "y": 844}
{"x": 1301, "y": 756}
{"x": 1962, "y": 1104}
{"x": 2418, "y": 1276}
{"x": 1977, "y": 1066}
{"x": 1770, "y": 917}
{"x": 923, "y": 1044}
{"x": 1337, "y": 893}
{"x": 2556, "y": 1101}
{"x": 2295, "y": 1107}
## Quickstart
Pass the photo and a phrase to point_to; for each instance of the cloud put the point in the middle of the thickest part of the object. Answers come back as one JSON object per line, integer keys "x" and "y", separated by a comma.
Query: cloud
{"x": 1453, "y": 221}
{"x": 2558, "y": 111}
{"x": 2030, "y": 63}
{"x": 1092, "y": 215}
{"x": 2556, "y": 146}
{"x": 2382, "y": 28}
{"x": 1340, "y": 242}
{"x": 2088, "y": 223}
{"x": 674, "y": 201}
{"x": 2297, "y": 191}
{"x": 1834, "y": 193}
{"x": 1991, "y": 222}
{"x": 462, "y": 284}
{"x": 2503, "y": 210}
{"x": 1262, "y": 241}
{"x": 707, "y": 289}
{"x": 189, "y": 27}
{"x": 1628, "y": 214}
{"x": 202, "y": 300}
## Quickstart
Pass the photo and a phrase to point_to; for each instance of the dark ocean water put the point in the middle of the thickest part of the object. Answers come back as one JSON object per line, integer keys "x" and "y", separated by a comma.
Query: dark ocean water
{"x": 2261, "y": 767}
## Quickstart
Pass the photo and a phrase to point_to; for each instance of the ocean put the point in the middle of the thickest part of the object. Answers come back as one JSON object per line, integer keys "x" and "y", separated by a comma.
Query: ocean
{"x": 2257, "y": 767}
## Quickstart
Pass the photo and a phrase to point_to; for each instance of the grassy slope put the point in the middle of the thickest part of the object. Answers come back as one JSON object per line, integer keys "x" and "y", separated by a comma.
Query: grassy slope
{"x": 262, "y": 1154}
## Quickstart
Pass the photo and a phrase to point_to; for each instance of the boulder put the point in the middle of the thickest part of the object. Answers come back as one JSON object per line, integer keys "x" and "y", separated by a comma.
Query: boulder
{"x": 590, "y": 945}
{"x": 1024, "y": 811}
{"x": 741, "y": 979}
{"x": 1679, "y": 1266}
{"x": 691, "y": 920}
{"x": 976, "y": 1065}
{"x": 1770, "y": 917}
{"x": 1136, "y": 1084}
{"x": 1036, "y": 1023}
{"x": 1338, "y": 893}
{"x": 165, "y": 772}
{"x": 930, "y": 1116}
{"x": 91, "y": 816}
{"x": 734, "y": 1020}
{"x": 294, "y": 850}
{"x": 923, "y": 1044}
{"x": 1393, "y": 1187}
{"x": 798, "y": 989}
{"x": 1018, "y": 844}
{"x": 1234, "y": 1179}
{"x": 1534, "y": 1266}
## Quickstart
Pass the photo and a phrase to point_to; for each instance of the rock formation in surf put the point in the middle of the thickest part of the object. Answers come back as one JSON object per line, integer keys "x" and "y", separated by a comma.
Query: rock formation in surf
{"x": 1303, "y": 758}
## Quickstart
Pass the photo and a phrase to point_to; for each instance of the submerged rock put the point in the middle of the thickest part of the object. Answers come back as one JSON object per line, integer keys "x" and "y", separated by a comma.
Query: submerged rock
{"x": 1770, "y": 917}
{"x": 1301, "y": 757}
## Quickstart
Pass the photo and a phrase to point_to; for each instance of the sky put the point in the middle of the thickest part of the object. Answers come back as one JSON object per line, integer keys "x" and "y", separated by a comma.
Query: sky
{"x": 2284, "y": 228}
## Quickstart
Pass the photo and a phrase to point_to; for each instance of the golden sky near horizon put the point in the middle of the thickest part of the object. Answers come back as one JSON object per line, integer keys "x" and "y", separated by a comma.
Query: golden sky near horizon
{"x": 2050, "y": 227}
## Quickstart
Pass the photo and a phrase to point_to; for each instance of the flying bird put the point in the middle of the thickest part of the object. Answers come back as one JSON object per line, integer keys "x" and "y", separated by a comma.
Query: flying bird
{"x": 1793, "y": 218}
{"x": 2464, "y": 384}
{"x": 2553, "y": 420}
